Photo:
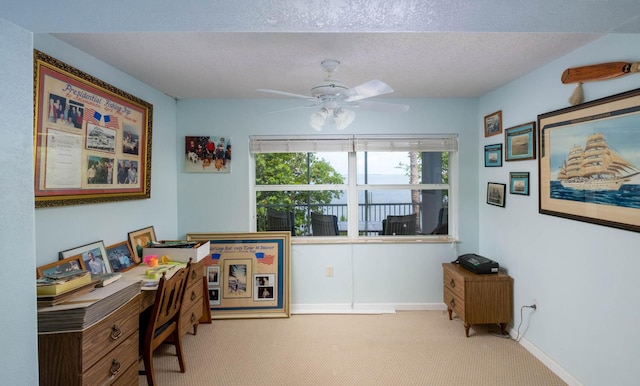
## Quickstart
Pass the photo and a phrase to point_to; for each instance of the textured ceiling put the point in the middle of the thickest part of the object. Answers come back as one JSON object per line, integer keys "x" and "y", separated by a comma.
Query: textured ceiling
{"x": 422, "y": 48}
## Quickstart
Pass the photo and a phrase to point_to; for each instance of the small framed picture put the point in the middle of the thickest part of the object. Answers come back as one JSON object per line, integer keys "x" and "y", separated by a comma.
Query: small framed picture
{"x": 65, "y": 265}
{"x": 520, "y": 142}
{"x": 120, "y": 257}
{"x": 94, "y": 256}
{"x": 213, "y": 275}
{"x": 214, "y": 296}
{"x": 263, "y": 286}
{"x": 496, "y": 194}
{"x": 493, "y": 155}
{"x": 519, "y": 183}
{"x": 493, "y": 124}
{"x": 139, "y": 239}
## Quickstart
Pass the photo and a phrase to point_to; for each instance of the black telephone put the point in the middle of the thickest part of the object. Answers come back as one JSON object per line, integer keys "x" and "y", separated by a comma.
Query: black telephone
{"x": 477, "y": 264}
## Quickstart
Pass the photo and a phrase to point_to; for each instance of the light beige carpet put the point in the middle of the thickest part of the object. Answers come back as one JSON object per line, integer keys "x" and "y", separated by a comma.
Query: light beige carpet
{"x": 406, "y": 348}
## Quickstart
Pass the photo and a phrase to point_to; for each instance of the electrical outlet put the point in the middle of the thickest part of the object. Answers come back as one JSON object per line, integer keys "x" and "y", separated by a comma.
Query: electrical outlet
{"x": 329, "y": 271}
{"x": 534, "y": 303}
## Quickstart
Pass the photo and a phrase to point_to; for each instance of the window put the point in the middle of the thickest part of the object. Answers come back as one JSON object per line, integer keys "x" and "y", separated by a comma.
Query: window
{"x": 354, "y": 185}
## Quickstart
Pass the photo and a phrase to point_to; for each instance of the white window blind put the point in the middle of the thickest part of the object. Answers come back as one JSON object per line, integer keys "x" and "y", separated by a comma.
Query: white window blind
{"x": 405, "y": 143}
{"x": 350, "y": 143}
{"x": 300, "y": 144}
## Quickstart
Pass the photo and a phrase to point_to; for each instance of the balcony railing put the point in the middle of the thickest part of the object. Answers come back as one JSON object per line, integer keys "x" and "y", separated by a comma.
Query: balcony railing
{"x": 366, "y": 213}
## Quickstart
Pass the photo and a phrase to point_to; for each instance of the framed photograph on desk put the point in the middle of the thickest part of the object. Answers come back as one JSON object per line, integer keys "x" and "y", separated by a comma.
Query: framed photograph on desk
{"x": 139, "y": 239}
{"x": 94, "y": 256}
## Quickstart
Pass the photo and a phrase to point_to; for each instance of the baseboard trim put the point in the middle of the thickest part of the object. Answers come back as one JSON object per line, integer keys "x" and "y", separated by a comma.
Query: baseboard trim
{"x": 364, "y": 308}
{"x": 547, "y": 361}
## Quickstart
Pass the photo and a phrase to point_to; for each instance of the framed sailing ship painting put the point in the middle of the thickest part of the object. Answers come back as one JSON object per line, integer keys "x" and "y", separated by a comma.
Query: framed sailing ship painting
{"x": 589, "y": 163}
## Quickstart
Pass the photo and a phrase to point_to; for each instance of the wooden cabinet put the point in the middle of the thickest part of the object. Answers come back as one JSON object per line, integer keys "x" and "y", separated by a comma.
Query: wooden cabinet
{"x": 192, "y": 306}
{"x": 105, "y": 353}
{"x": 478, "y": 299}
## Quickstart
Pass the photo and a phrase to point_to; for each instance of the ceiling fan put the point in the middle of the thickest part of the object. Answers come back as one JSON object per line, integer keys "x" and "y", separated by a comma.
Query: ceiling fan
{"x": 335, "y": 100}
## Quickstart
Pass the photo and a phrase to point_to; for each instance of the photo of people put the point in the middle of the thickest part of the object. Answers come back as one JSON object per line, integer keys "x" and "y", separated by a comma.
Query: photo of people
{"x": 213, "y": 275}
{"x": 264, "y": 286}
{"x": 94, "y": 261}
{"x": 207, "y": 154}
{"x": 120, "y": 257}
{"x": 214, "y": 296}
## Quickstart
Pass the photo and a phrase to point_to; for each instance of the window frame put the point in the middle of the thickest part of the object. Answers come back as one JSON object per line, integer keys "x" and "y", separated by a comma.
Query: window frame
{"x": 352, "y": 145}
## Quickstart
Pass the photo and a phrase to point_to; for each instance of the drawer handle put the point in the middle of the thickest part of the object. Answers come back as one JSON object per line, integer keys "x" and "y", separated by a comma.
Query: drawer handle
{"x": 452, "y": 303}
{"x": 193, "y": 317}
{"x": 115, "y": 332}
{"x": 115, "y": 367}
{"x": 452, "y": 284}
{"x": 193, "y": 295}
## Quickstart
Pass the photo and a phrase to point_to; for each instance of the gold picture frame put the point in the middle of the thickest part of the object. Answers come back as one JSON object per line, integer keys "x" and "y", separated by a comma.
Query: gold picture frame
{"x": 244, "y": 259}
{"x": 69, "y": 263}
{"x": 138, "y": 240}
{"x": 92, "y": 141}
{"x": 588, "y": 166}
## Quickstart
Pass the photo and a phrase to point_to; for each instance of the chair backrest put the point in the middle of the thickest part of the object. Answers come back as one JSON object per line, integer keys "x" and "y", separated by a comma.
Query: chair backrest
{"x": 280, "y": 221}
{"x": 169, "y": 296}
{"x": 401, "y": 225}
{"x": 324, "y": 224}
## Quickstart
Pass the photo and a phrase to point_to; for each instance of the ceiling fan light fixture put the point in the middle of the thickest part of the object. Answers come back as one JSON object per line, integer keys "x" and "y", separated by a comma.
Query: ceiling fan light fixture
{"x": 343, "y": 118}
{"x": 318, "y": 119}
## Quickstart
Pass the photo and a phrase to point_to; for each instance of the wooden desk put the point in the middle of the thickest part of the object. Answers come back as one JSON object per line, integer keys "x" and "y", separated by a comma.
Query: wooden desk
{"x": 104, "y": 353}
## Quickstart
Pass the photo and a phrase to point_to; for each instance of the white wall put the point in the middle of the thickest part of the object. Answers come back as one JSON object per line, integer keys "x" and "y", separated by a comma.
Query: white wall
{"x": 363, "y": 274}
{"x": 62, "y": 228}
{"x": 19, "y": 358}
{"x": 583, "y": 276}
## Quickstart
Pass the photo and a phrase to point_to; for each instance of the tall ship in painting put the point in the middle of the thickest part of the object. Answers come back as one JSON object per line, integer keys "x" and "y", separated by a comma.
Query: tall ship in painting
{"x": 595, "y": 167}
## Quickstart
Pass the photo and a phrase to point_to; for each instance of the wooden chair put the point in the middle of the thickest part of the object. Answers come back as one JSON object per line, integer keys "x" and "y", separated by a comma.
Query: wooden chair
{"x": 280, "y": 221}
{"x": 400, "y": 225}
{"x": 324, "y": 224}
{"x": 164, "y": 321}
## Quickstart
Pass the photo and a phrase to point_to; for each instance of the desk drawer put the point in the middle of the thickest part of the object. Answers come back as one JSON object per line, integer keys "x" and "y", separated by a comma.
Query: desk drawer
{"x": 454, "y": 282}
{"x": 454, "y": 302}
{"x": 197, "y": 272}
{"x": 114, "y": 364}
{"x": 190, "y": 316}
{"x": 109, "y": 333}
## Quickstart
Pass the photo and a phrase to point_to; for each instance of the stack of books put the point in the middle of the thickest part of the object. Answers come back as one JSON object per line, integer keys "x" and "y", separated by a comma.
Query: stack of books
{"x": 59, "y": 287}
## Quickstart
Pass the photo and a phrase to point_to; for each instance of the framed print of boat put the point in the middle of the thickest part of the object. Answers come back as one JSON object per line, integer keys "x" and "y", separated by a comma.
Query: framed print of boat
{"x": 520, "y": 142}
{"x": 496, "y": 194}
{"x": 493, "y": 155}
{"x": 589, "y": 163}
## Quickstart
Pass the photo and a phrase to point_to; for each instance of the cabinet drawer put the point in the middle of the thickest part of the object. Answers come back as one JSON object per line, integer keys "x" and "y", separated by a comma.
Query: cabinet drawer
{"x": 109, "y": 333}
{"x": 115, "y": 364}
{"x": 454, "y": 302}
{"x": 129, "y": 377}
{"x": 197, "y": 272}
{"x": 190, "y": 316}
{"x": 193, "y": 295}
{"x": 454, "y": 282}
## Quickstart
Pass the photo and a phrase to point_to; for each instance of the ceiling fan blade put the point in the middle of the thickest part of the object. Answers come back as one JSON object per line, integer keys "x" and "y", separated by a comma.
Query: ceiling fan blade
{"x": 366, "y": 90}
{"x": 294, "y": 108}
{"x": 286, "y": 93}
{"x": 381, "y": 107}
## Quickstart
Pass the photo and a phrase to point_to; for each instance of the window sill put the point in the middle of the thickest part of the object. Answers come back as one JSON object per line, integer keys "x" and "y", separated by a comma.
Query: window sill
{"x": 424, "y": 239}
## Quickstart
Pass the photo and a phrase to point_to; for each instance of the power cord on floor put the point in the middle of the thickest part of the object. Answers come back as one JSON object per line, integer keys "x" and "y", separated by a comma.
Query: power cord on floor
{"x": 533, "y": 307}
